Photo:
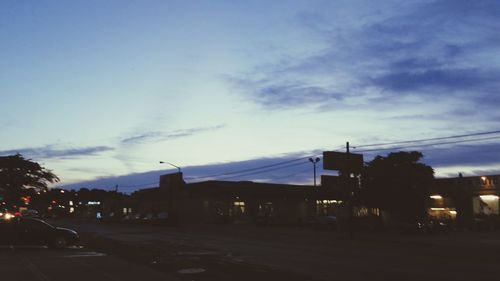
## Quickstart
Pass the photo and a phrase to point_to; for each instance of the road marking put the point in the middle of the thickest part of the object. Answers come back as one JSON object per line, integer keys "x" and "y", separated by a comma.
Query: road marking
{"x": 199, "y": 253}
{"x": 85, "y": 255}
{"x": 191, "y": 270}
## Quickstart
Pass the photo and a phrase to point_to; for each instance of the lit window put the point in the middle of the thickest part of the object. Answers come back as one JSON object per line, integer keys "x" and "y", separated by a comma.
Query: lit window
{"x": 488, "y": 197}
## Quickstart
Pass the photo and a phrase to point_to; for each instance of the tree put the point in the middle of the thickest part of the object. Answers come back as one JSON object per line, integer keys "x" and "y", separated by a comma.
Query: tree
{"x": 18, "y": 174}
{"x": 398, "y": 183}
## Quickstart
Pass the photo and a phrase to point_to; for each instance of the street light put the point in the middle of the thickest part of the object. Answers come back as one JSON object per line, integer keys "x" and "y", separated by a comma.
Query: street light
{"x": 314, "y": 161}
{"x": 178, "y": 168}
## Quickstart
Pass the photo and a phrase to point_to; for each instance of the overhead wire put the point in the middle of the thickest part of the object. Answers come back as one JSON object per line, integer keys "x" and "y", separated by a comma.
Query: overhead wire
{"x": 251, "y": 169}
{"x": 430, "y": 139}
{"x": 262, "y": 172}
{"x": 283, "y": 164}
{"x": 379, "y": 149}
{"x": 429, "y": 144}
{"x": 291, "y": 175}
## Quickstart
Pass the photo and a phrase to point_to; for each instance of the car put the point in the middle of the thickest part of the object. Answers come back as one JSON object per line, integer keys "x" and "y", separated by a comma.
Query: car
{"x": 31, "y": 231}
{"x": 323, "y": 222}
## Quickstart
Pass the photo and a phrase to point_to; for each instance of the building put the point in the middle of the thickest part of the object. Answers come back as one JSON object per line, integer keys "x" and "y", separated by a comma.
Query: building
{"x": 247, "y": 202}
{"x": 466, "y": 200}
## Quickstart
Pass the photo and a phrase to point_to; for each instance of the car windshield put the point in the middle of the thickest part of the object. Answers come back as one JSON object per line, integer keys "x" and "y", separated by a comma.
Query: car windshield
{"x": 34, "y": 224}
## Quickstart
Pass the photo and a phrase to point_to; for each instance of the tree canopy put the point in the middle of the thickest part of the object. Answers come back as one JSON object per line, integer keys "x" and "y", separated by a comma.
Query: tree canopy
{"x": 398, "y": 183}
{"x": 18, "y": 173}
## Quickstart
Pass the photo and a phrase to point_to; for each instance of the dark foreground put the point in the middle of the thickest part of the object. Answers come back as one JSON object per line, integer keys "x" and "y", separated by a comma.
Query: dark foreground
{"x": 78, "y": 264}
{"x": 259, "y": 253}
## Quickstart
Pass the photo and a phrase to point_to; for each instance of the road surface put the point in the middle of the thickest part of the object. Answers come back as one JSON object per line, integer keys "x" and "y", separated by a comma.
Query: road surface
{"x": 73, "y": 263}
{"x": 241, "y": 252}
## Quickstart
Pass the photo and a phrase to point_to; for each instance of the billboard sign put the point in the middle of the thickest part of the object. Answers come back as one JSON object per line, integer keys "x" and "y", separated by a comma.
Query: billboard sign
{"x": 340, "y": 161}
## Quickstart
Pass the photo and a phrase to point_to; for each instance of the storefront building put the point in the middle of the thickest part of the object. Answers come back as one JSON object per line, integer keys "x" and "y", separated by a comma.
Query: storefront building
{"x": 466, "y": 199}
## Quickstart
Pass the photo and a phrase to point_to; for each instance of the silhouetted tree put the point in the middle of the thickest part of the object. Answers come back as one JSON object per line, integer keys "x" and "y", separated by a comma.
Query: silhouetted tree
{"x": 18, "y": 174}
{"x": 398, "y": 183}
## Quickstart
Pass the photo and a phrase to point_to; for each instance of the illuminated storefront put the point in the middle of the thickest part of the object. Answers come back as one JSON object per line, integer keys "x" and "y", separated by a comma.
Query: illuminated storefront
{"x": 465, "y": 199}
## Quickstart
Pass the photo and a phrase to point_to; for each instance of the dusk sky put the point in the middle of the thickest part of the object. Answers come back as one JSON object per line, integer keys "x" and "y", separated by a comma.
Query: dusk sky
{"x": 100, "y": 91}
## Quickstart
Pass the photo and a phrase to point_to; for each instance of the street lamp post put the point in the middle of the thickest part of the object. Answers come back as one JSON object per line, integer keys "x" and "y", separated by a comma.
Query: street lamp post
{"x": 178, "y": 168}
{"x": 314, "y": 161}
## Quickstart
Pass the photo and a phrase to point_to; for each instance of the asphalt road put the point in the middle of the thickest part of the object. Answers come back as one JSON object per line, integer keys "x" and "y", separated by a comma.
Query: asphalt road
{"x": 268, "y": 253}
{"x": 73, "y": 263}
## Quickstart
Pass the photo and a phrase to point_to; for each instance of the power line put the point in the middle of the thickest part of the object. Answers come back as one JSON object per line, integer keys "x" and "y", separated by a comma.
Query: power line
{"x": 429, "y": 144}
{"x": 369, "y": 150}
{"x": 257, "y": 170}
{"x": 265, "y": 171}
{"x": 251, "y": 169}
{"x": 430, "y": 139}
{"x": 291, "y": 175}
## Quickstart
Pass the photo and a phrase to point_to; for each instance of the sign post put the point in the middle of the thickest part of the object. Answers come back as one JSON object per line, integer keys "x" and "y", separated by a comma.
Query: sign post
{"x": 349, "y": 166}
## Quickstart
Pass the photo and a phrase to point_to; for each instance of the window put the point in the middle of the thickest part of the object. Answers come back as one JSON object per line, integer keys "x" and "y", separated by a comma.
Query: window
{"x": 239, "y": 207}
{"x": 33, "y": 224}
{"x": 327, "y": 207}
{"x": 485, "y": 205}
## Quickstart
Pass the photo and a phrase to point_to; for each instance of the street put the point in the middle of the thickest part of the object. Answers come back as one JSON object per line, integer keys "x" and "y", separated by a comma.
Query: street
{"x": 239, "y": 252}
{"x": 73, "y": 263}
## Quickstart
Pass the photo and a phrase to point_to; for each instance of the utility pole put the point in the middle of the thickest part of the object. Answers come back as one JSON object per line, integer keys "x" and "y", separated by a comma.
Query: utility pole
{"x": 351, "y": 196}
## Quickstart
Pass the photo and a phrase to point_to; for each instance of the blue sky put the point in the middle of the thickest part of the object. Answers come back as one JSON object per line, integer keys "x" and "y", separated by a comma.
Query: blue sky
{"x": 100, "y": 91}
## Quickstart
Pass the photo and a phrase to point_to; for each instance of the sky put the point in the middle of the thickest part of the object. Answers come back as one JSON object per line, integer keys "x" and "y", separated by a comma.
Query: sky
{"x": 100, "y": 91}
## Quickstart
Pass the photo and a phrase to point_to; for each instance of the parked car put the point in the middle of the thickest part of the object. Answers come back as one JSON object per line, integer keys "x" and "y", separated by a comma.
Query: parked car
{"x": 324, "y": 222}
{"x": 31, "y": 231}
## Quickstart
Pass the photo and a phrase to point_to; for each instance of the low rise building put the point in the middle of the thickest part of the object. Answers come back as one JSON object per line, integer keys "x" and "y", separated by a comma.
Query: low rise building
{"x": 466, "y": 200}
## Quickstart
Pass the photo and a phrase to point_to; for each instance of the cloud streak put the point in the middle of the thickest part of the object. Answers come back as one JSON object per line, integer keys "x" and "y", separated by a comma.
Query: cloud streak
{"x": 162, "y": 136}
{"x": 51, "y": 151}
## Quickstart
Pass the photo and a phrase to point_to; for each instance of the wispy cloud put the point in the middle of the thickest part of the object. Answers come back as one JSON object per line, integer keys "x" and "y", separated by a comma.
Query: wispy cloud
{"x": 162, "y": 136}
{"x": 53, "y": 151}
{"x": 383, "y": 52}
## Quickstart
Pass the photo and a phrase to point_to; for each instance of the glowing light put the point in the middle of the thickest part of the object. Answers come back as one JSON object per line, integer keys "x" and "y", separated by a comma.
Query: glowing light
{"x": 453, "y": 212}
{"x": 8, "y": 216}
{"x": 328, "y": 202}
{"x": 483, "y": 178}
{"x": 62, "y": 191}
{"x": 437, "y": 197}
{"x": 437, "y": 209}
{"x": 488, "y": 197}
